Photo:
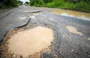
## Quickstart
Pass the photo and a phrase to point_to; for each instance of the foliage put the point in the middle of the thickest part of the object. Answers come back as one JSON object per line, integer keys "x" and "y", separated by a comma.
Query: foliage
{"x": 19, "y": 3}
{"x": 36, "y": 2}
{"x": 26, "y": 3}
{"x": 80, "y": 5}
{"x": 9, "y": 3}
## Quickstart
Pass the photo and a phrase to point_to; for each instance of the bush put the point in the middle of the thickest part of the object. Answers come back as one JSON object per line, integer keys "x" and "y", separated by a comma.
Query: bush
{"x": 80, "y": 5}
{"x": 9, "y": 3}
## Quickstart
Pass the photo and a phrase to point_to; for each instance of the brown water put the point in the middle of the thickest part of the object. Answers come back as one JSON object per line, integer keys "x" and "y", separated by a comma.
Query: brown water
{"x": 28, "y": 42}
{"x": 73, "y": 13}
{"x": 73, "y": 30}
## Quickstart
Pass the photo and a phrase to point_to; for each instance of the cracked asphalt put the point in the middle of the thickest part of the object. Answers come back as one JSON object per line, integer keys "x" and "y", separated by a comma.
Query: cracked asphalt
{"x": 66, "y": 45}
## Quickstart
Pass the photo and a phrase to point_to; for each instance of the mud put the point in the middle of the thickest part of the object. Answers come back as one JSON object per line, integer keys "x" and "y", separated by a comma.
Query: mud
{"x": 70, "y": 46}
{"x": 73, "y": 13}
{"x": 30, "y": 42}
{"x": 73, "y": 30}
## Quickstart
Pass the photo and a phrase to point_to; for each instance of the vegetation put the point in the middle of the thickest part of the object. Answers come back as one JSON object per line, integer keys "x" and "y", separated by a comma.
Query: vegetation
{"x": 9, "y": 3}
{"x": 26, "y": 3}
{"x": 19, "y": 3}
{"x": 80, "y": 5}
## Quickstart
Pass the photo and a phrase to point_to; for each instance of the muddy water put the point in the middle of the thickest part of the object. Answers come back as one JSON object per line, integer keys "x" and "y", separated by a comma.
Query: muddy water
{"x": 73, "y": 30}
{"x": 71, "y": 13}
{"x": 28, "y": 42}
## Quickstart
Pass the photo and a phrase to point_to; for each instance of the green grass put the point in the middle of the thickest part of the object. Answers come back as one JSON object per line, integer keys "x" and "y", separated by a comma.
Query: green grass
{"x": 80, "y": 6}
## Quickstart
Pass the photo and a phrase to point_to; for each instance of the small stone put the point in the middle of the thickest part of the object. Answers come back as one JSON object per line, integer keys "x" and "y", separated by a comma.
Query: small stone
{"x": 72, "y": 50}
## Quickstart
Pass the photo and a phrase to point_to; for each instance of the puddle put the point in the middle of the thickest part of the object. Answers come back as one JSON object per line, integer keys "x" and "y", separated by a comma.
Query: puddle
{"x": 30, "y": 41}
{"x": 39, "y": 13}
{"x": 65, "y": 14}
{"x": 73, "y": 30}
{"x": 71, "y": 13}
{"x": 33, "y": 11}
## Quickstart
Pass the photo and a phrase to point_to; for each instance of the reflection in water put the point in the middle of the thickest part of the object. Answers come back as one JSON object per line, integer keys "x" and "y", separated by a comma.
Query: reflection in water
{"x": 65, "y": 14}
{"x": 28, "y": 42}
{"x": 71, "y": 13}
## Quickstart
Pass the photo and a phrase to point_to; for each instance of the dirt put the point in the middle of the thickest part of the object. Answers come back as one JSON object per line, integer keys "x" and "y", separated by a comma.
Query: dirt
{"x": 29, "y": 43}
{"x": 73, "y": 30}
{"x": 73, "y": 13}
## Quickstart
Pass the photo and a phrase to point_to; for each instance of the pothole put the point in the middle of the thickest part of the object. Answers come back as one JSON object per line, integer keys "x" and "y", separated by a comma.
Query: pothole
{"x": 31, "y": 41}
{"x": 38, "y": 13}
{"x": 73, "y": 30}
{"x": 71, "y": 13}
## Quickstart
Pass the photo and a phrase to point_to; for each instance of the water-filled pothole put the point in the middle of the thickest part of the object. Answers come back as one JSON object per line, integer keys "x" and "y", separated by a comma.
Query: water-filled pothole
{"x": 31, "y": 41}
{"x": 73, "y": 30}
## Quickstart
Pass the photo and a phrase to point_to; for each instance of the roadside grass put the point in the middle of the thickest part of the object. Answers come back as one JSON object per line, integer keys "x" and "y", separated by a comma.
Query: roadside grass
{"x": 81, "y": 6}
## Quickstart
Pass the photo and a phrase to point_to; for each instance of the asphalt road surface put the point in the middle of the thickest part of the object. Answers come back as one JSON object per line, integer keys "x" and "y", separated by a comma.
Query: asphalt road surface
{"x": 72, "y": 34}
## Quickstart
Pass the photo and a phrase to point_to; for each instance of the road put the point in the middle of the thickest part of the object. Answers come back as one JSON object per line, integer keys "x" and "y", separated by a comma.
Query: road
{"x": 72, "y": 34}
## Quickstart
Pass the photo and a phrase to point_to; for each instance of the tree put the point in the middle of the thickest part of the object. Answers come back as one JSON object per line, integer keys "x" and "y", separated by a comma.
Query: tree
{"x": 26, "y": 3}
{"x": 20, "y": 2}
{"x": 9, "y": 3}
